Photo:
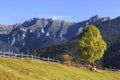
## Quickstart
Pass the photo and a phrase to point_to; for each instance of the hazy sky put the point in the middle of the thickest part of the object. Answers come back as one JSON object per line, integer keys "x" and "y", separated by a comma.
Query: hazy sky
{"x": 17, "y": 11}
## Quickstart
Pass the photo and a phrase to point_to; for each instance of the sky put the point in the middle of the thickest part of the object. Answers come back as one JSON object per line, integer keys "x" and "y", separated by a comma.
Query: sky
{"x": 18, "y": 11}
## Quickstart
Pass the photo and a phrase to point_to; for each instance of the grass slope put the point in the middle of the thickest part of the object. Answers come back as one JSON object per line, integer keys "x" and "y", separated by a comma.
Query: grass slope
{"x": 17, "y": 69}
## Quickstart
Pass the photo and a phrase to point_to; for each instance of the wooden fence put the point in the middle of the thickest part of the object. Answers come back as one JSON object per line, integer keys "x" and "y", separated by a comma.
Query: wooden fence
{"x": 24, "y": 56}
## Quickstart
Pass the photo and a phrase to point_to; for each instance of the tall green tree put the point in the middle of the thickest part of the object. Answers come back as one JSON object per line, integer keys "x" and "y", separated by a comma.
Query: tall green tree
{"x": 91, "y": 44}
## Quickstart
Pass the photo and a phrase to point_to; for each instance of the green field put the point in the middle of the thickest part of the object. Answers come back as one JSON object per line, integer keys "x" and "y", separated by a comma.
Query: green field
{"x": 18, "y": 69}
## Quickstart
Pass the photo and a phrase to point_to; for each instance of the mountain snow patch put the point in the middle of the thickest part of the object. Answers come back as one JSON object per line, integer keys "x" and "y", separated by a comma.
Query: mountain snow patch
{"x": 38, "y": 35}
{"x": 47, "y": 34}
{"x": 23, "y": 44}
{"x": 31, "y": 31}
{"x": 61, "y": 34}
{"x": 23, "y": 29}
{"x": 23, "y": 36}
{"x": 79, "y": 30}
{"x": 13, "y": 41}
{"x": 42, "y": 30}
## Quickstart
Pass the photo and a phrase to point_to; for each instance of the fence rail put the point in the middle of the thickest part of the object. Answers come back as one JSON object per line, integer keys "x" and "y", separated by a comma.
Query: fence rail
{"x": 24, "y": 56}
{"x": 109, "y": 69}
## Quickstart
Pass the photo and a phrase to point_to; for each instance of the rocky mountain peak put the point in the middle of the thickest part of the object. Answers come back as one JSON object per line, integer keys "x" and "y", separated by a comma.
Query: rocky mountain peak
{"x": 94, "y": 18}
{"x": 97, "y": 18}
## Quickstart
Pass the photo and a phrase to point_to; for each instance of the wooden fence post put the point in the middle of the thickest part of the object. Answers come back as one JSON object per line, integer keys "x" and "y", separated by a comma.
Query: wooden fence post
{"x": 48, "y": 58}
{"x": 4, "y": 54}
{"x": 43, "y": 58}
{"x": 32, "y": 57}
{"x": 22, "y": 56}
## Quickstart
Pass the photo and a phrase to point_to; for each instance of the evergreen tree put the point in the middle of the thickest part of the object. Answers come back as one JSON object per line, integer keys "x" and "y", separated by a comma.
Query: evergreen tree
{"x": 91, "y": 44}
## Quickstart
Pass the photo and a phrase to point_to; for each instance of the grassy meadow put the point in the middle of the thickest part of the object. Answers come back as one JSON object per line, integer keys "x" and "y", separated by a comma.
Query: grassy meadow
{"x": 18, "y": 69}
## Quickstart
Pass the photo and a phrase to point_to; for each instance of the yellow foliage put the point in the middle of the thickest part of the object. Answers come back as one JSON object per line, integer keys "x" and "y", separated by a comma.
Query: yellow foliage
{"x": 67, "y": 57}
{"x": 91, "y": 44}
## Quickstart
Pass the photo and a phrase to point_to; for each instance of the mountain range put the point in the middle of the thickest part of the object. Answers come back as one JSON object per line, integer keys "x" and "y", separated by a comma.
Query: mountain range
{"x": 39, "y": 33}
